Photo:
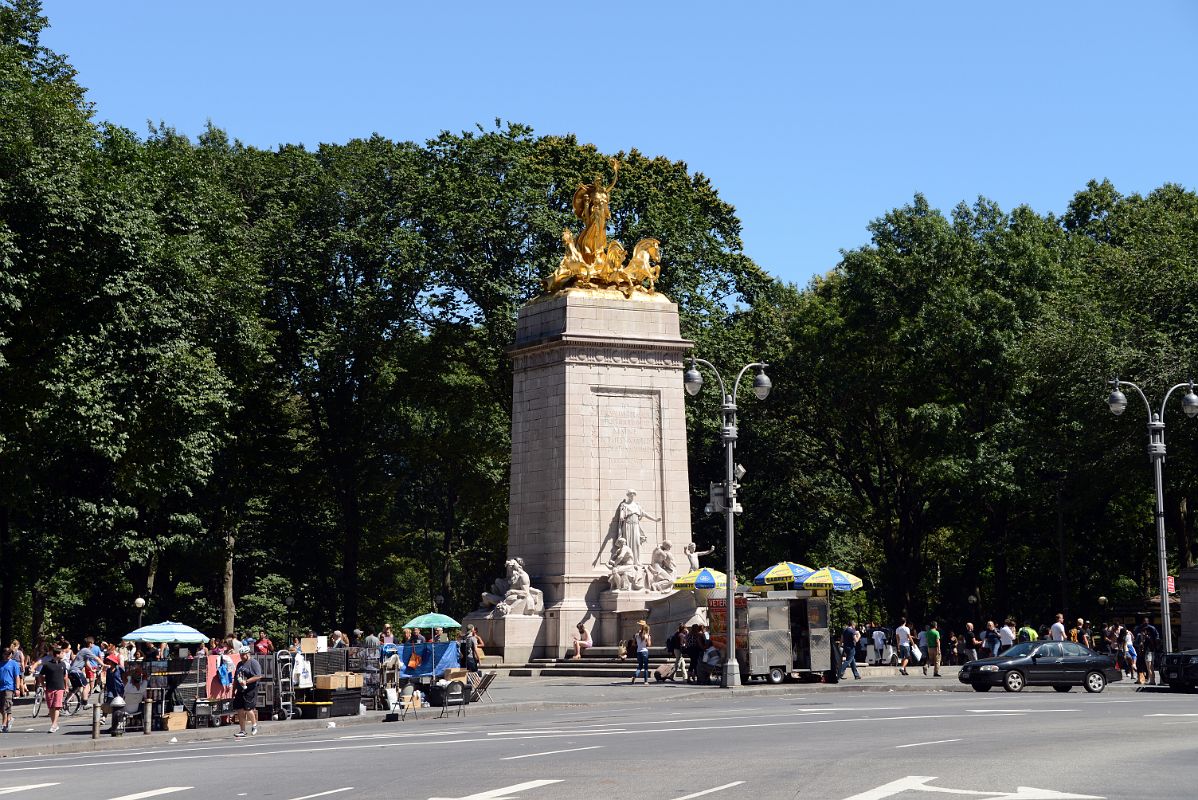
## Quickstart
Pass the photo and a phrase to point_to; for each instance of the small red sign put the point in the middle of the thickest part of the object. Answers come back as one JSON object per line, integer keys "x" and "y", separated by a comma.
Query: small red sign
{"x": 1170, "y": 586}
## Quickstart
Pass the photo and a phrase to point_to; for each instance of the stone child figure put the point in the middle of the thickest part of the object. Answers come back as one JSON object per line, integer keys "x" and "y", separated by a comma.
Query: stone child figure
{"x": 692, "y": 555}
{"x": 630, "y": 524}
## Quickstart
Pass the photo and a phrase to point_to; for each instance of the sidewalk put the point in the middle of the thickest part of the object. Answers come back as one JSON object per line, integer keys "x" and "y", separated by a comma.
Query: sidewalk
{"x": 30, "y": 736}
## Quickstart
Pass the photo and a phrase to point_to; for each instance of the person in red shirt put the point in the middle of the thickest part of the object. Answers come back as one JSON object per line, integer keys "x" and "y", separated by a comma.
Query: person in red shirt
{"x": 264, "y": 646}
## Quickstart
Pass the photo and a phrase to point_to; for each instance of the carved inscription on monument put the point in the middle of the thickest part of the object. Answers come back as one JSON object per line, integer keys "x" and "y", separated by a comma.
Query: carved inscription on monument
{"x": 628, "y": 448}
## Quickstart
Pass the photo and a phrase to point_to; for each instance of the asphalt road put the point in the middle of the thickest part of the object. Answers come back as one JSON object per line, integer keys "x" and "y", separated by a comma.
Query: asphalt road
{"x": 866, "y": 746}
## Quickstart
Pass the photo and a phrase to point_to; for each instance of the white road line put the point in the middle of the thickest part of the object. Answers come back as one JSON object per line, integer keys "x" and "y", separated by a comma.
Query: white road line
{"x": 1021, "y": 710}
{"x": 553, "y": 752}
{"x": 921, "y": 744}
{"x": 709, "y": 791}
{"x": 499, "y": 794}
{"x": 15, "y": 789}
{"x": 153, "y": 793}
{"x": 1171, "y": 715}
{"x": 322, "y": 794}
{"x": 683, "y": 728}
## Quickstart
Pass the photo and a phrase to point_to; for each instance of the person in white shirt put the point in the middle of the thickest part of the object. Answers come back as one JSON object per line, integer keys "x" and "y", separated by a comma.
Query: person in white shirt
{"x": 1006, "y": 636}
{"x": 879, "y": 643}
{"x": 1057, "y": 632}
{"x": 902, "y": 635}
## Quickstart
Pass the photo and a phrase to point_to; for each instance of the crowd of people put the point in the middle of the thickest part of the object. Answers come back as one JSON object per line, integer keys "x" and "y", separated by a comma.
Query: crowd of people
{"x": 1136, "y": 649}
{"x": 89, "y": 667}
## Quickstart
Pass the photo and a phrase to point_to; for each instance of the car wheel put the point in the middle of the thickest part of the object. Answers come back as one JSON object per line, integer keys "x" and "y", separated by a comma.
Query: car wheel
{"x": 1013, "y": 682}
{"x": 776, "y": 675}
{"x": 981, "y": 687}
{"x": 1062, "y": 687}
{"x": 1095, "y": 682}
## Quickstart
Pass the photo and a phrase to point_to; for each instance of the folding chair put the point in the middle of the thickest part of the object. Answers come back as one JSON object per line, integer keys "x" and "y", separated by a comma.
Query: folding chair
{"x": 407, "y": 698}
{"x": 479, "y": 686}
{"x": 454, "y": 695}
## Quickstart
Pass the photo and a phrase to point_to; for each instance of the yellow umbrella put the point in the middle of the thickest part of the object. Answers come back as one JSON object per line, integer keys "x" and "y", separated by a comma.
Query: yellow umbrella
{"x": 829, "y": 578}
{"x": 702, "y": 579}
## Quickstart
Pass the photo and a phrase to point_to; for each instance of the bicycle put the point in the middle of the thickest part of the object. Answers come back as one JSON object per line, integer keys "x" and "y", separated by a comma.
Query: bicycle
{"x": 39, "y": 697}
{"x": 75, "y": 699}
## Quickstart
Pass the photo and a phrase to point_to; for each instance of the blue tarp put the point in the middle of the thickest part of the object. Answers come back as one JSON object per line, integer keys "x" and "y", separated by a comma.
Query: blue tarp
{"x": 435, "y": 658}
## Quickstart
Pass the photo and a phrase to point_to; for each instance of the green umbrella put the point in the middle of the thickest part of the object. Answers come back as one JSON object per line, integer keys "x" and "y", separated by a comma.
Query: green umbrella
{"x": 432, "y": 621}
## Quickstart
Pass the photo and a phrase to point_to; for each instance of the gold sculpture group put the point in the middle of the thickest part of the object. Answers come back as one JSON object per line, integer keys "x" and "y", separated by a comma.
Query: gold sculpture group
{"x": 592, "y": 262}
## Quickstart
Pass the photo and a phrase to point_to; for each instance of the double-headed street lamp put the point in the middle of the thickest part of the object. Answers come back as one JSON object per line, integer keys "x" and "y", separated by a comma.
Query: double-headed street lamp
{"x": 693, "y": 381}
{"x": 1156, "y": 453}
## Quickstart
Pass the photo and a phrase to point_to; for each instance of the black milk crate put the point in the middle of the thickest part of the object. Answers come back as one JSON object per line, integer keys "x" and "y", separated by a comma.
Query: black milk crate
{"x": 330, "y": 661}
{"x": 345, "y": 701}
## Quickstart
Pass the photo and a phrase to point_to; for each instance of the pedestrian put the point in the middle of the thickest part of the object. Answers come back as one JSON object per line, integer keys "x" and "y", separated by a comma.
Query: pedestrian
{"x": 1027, "y": 633}
{"x": 439, "y": 636}
{"x": 17, "y": 655}
{"x": 53, "y": 676}
{"x": 387, "y": 636}
{"x": 933, "y": 650}
{"x": 264, "y": 646}
{"x": 879, "y": 637}
{"x": 470, "y": 648}
{"x": 1145, "y": 641}
{"x": 370, "y": 640}
{"x": 849, "y": 637}
{"x": 245, "y": 692}
{"x": 643, "y": 642}
{"x": 902, "y": 636}
{"x": 1006, "y": 636}
{"x": 969, "y": 645}
{"x": 337, "y": 641}
{"x": 923, "y": 649}
{"x": 10, "y": 676}
{"x": 582, "y": 640}
{"x": 1057, "y": 632}
{"x": 114, "y": 677}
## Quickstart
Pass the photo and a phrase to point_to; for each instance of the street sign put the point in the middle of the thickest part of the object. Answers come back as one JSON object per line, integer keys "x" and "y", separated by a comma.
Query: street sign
{"x": 1171, "y": 587}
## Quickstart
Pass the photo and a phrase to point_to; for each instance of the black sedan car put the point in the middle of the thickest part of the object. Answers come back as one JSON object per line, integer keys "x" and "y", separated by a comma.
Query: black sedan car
{"x": 1061, "y": 665}
{"x": 1181, "y": 670}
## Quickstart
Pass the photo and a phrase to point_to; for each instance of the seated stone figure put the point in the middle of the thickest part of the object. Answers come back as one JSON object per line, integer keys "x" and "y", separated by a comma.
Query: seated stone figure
{"x": 661, "y": 568}
{"x": 625, "y": 572}
{"x": 513, "y": 594}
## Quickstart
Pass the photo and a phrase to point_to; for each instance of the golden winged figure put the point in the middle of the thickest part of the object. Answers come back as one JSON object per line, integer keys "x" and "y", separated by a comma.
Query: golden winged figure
{"x": 590, "y": 260}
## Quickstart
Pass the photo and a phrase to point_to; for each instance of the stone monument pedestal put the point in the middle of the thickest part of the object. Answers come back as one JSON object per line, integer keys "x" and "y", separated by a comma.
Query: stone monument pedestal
{"x": 597, "y": 410}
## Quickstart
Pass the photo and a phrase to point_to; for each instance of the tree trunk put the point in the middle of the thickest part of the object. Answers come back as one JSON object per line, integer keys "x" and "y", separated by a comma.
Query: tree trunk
{"x": 1062, "y": 556}
{"x": 37, "y": 615}
{"x": 228, "y": 609}
{"x": 1177, "y": 510}
{"x": 8, "y": 579}
{"x": 350, "y": 555}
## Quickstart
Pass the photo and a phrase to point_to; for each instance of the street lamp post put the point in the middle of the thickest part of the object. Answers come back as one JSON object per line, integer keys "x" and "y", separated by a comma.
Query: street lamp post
{"x": 693, "y": 381}
{"x": 140, "y": 605}
{"x": 1117, "y": 402}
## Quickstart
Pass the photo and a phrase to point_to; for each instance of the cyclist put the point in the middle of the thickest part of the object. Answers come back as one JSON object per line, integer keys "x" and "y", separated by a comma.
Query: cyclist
{"x": 83, "y": 669}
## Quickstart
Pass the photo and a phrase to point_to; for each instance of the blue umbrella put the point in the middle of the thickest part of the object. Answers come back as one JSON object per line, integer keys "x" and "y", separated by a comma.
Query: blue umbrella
{"x": 168, "y": 633}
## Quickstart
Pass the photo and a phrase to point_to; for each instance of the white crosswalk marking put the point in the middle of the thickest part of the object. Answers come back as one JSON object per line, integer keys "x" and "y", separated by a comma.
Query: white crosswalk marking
{"x": 322, "y": 794}
{"x": 15, "y": 789}
{"x": 153, "y": 793}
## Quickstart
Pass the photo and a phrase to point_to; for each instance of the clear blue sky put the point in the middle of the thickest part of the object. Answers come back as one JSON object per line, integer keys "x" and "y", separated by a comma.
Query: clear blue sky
{"x": 810, "y": 119}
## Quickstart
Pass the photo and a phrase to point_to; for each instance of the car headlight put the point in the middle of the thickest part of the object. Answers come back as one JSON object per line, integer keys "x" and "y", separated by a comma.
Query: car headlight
{"x": 987, "y": 668}
{"x": 1192, "y": 659}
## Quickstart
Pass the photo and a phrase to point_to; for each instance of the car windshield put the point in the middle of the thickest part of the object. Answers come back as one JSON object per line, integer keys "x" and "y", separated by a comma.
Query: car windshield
{"x": 1019, "y": 650}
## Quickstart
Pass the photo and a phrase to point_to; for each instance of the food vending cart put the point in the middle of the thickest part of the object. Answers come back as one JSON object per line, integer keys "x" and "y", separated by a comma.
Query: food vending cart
{"x": 779, "y": 634}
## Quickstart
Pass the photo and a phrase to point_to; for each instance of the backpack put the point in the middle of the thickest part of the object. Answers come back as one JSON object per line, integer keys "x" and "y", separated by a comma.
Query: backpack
{"x": 223, "y": 675}
{"x": 1023, "y": 637}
